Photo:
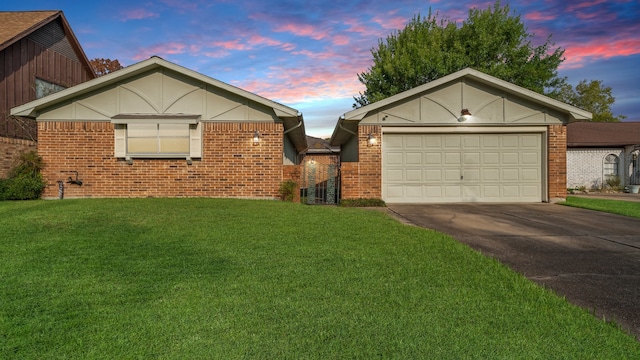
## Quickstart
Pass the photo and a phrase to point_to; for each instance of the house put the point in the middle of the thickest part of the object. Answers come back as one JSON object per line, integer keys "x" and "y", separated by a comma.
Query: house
{"x": 598, "y": 153}
{"x": 39, "y": 54}
{"x": 156, "y": 129}
{"x": 466, "y": 137}
{"x": 320, "y": 172}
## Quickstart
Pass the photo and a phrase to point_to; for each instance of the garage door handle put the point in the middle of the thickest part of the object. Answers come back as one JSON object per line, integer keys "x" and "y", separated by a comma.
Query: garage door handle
{"x": 461, "y": 177}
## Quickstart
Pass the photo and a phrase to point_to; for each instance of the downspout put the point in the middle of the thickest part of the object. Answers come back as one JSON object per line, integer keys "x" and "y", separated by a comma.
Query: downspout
{"x": 297, "y": 126}
{"x": 344, "y": 128}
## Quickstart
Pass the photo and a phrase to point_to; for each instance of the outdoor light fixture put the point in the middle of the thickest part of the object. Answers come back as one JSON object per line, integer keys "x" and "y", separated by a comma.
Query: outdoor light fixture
{"x": 256, "y": 137}
{"x": 371, "y": 140}
{"x": 464, "y": 115}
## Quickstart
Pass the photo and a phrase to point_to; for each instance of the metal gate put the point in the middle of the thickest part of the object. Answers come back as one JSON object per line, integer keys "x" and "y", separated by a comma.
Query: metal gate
{"x": 321, "y": 180}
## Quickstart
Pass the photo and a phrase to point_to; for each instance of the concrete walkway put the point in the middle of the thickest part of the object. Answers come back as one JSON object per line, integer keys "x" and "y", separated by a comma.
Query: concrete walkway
{"x": 591, "y": 258}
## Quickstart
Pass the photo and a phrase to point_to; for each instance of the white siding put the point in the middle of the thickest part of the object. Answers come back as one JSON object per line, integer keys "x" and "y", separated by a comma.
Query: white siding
{"x": 585, "y": 166}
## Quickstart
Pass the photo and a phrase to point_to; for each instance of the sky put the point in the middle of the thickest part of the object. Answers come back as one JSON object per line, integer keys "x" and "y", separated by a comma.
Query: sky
{"x": 307, "y": 54}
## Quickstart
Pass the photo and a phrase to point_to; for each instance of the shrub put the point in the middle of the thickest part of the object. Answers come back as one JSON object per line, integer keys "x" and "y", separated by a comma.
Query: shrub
{"x": 287, "y": 190}
{"x": 613, "y": 182}
{"x": 362, "y": 203}
{"x": 25, "y": 181}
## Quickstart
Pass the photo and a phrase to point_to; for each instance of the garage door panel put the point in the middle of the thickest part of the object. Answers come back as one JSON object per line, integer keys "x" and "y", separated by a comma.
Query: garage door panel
{"x": 394, "y": 158}
{"x": 413, "y": 158}
{"x": 413, "y": 175}
{"x": 462, "y": 168}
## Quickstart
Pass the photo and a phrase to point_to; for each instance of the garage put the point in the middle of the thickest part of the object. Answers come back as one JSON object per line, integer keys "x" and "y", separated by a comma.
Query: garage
{"x": 465, "y": 137}
{"x": 432, "y": 168}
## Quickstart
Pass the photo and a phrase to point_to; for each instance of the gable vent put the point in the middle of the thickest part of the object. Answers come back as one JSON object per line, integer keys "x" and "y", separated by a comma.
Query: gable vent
{"x": 52, "y": 37}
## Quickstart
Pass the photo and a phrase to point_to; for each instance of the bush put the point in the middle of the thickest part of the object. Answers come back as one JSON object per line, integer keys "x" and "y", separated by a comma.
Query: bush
{"x": 613, "y": 182}
{"x": 287, "y": 190}
{"x": 362, "y": 203}
{"x": 25, "y": 181}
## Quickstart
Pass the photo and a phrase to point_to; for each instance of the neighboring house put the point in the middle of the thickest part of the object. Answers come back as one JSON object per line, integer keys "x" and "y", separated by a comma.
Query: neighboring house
{"x": 156, "y": 129}
{"x": 39, "y": 54}
{"x": 466, "y": 137}
{"x": 320, "y": 178}
{"x": 600, "y": 152}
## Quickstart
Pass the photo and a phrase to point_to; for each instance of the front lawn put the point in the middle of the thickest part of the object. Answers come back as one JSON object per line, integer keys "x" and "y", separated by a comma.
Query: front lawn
{"x": 228, "y": 279}
{"x": 627, "y": 208}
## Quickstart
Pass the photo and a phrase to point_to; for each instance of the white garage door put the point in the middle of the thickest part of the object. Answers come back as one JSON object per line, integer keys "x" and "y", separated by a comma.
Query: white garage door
{"x": 431, "y": 168}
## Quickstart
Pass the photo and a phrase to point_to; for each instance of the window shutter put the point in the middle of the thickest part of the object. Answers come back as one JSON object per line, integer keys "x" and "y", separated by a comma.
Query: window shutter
{"x": 195, "y": 143}
{"x": 120, "y": 144}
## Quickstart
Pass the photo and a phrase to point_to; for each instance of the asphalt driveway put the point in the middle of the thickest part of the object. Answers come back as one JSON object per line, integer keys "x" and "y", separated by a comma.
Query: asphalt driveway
{"x": 591, "y": 258}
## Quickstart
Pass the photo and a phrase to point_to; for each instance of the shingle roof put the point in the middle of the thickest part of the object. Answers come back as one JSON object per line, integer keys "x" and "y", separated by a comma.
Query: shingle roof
{"x": 15, "y": 25}
{"x": 600, "y": 134}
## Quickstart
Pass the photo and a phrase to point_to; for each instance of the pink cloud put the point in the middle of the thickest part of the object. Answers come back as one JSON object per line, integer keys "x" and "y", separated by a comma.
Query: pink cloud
{"x": 259, "y": 40}
{"x": 539, "y": 16}
{"x": 137, "y": 14}
{"x": 302, "y": 30}
{"x": 585, "y": 4}
{"x": 340, "y": 40}
{"x": 171, "y": 48}
{"x": 392, "y": 23}
{"x": 230, "y": 45}
{"x": 578, "y": 55}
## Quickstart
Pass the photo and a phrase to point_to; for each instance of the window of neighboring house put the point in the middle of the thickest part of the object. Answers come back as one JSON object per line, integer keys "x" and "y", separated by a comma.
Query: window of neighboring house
{"x": 610, "y": 165}
{"x": 44, "y": 88}
{"x": 157, "y": 139}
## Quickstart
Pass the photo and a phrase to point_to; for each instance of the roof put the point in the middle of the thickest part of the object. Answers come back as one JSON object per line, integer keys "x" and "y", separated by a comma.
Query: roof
{"x": 292, "y": 119}
{"x": 320, "y": 146}
{"x": 603, "y": 134}
{"x": 347, "y": 123}
{"x": 15, "y": 25}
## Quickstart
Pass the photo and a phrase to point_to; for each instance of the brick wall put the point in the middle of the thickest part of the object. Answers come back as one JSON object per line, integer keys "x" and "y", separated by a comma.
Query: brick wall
{"x": 293, "y": 172}
{"x": 585, "y": 167}
{"x": 10, "y": 151}
{"x": 231, "y": 166}
{"x": 363, "y": 179}
{"x": 557, "y": 175}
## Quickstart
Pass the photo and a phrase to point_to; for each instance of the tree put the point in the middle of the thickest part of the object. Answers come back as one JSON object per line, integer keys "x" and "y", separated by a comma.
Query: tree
{"x": 493, "y": 41}
{"x": 103, "y": 66}
{"x": 590, "y": 96}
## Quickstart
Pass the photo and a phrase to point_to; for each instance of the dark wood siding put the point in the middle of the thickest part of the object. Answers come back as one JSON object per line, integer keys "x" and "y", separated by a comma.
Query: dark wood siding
{"x": 20, "y": 65}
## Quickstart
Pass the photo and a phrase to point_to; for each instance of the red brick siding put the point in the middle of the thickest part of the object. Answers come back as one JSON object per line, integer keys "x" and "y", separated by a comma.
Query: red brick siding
{"x": 557, "y": 156}
{"x": 231, "y": 166}
{"x": 293, "y": 172}
{"x": 363, "y": 179}
{"x": 10, "y": 151}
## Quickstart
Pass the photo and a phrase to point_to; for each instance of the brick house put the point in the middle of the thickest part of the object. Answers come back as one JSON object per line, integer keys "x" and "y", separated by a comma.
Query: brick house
{"x": 598, "y": 151}
{"x": 156, "y": 129}
{"x": 39, "y": 54}
{"x": 466, "y": 137}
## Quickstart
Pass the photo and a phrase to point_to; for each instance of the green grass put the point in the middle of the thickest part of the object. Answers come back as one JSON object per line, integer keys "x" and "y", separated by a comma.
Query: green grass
{"x": 627, "y": 208}
{"x": 228, "y": 279}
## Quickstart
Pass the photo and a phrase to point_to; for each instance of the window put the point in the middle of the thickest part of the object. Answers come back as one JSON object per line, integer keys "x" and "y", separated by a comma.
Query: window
{"x": 44, "y": 88}
{"x": 157, "y": 138}
{"x": 610, "y": 165}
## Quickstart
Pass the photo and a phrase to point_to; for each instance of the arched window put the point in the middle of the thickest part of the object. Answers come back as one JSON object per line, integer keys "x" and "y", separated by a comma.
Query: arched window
{"x": 610, "y": 165}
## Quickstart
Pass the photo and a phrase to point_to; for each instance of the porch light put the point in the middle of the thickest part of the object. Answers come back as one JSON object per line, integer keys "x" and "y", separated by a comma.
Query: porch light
{"x": 464, "y": 115}
{"x": 371, "y": 140}
{"x": 256, "y": 137}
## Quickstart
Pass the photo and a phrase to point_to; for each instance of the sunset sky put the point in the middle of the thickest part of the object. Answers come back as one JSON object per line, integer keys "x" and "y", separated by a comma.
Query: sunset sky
{"x": 307, "y": 54}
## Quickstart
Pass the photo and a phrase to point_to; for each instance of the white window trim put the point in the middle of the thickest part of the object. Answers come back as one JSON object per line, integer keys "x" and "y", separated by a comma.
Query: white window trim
{"x": 120, "y": 137}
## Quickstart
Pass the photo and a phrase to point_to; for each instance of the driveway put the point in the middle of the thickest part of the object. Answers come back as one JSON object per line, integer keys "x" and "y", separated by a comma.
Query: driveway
{"x": 591, "y": 258}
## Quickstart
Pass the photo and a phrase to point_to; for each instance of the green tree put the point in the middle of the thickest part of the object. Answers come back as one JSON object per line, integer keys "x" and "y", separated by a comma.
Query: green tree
{"x": 591, "y": 96}
{"x": 494, "y": 41}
